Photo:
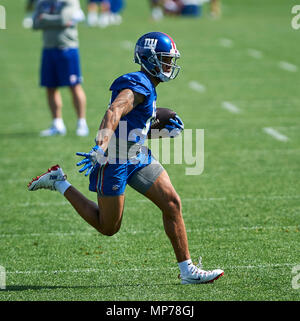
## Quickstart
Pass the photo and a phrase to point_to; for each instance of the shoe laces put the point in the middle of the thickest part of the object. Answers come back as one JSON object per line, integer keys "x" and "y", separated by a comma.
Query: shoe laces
{"x": 198, "y": 269}
{"x": 199, "y": 265}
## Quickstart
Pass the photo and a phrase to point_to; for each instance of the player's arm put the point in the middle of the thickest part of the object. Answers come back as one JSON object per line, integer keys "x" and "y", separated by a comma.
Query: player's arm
{"x": 121, "y": 106}
{"x": 65, "y": 18}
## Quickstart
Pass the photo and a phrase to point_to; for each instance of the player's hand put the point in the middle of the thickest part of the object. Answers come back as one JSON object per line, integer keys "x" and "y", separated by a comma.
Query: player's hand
{"x": 96, "y": 155}
{"x": 177, "y": 126}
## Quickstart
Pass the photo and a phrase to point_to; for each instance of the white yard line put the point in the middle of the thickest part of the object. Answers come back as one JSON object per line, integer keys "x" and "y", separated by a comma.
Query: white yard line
{"x": 230, "y": 107}
{"x": 275, "y": 134}
{"x": 287, "y": 66}
{"x": 203, "y": 199}
{"x": 93, "y": 270}
{"x": 226, "y": 43}
{"x": 127, "y": 45}
{"x": 152, "y": 232}
{"x": 42, "y": 204}
{"x": 197, "y": 86}
{"x": 255, "y": 53}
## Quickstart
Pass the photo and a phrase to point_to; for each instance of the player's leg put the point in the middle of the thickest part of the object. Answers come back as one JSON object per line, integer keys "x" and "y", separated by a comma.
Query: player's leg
{"x": 163, "y": 194}
{"x": 104, "y": 17}
{"x": 105, "y": 217}
{"x": 48, "y": 80}
{"x": 69, "y": 74}
{"x": 111, "y": 209}
{"x": 79, "y": 102}
{"x": 92, "y": 16}
{"x": 109, "y": 181}
{"x": 55, "y": 105}
{"x": 215, "y": 8}
{"x": 116, "y": 8}
{"x": 54, "y": 102}
{"x": 155, "y": 184}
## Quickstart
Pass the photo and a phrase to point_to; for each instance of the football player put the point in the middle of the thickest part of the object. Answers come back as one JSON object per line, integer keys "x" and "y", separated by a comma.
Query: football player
{"x": 127, "y": 121}
{"x": 60, "y": 65}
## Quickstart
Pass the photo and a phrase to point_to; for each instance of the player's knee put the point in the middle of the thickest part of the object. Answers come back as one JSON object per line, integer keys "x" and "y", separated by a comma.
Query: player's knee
{"x": 174, "y": 204}
{"x": 109, "y": 230}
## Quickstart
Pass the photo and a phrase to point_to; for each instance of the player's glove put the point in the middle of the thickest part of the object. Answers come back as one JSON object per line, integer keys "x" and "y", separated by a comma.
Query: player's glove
{"x": 96, "y": 155}
{"x": 177, "y": 126}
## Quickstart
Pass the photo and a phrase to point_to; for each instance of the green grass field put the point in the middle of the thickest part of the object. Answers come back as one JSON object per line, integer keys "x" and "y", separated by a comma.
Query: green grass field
{"x": 242, "y": 213}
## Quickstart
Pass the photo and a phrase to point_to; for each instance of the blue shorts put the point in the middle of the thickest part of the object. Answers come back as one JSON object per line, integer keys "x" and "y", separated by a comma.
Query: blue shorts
{"x": 111, "y": 179}
{"x": 116, "y": 5}
{"x": 191, "y": 10}
{"x": 60, "y": 67}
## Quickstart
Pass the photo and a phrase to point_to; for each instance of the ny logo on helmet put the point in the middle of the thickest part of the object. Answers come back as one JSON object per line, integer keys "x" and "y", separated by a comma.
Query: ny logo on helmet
{"x": 150, "y": 43}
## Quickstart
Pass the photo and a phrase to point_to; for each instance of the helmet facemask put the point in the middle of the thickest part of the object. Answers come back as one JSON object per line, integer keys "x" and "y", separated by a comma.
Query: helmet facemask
{"x": 155, "y": 65}
{"x": 166, "y": 68}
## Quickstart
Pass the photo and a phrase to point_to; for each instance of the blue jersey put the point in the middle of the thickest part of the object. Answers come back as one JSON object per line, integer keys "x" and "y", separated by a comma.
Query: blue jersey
{"x": 138, "y": 121}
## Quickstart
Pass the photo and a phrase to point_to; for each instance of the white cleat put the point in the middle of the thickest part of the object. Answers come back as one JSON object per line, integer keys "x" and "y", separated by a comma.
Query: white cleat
{"x": 115, "y": 19}
{"x": 27, "y": 22}
{"x": 53, "y": 131}
{"x": 82, "y": 130}
{"x": 92, "y": 19}
{"x": 104, "y": 20}
{"x": 48, "y": 179}
{"x": 198, "y": 276}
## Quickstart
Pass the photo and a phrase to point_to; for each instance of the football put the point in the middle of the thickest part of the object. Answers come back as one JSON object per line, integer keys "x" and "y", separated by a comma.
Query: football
{"x": 162, "y": 118}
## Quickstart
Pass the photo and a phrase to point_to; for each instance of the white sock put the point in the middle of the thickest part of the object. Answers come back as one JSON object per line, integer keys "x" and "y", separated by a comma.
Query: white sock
{"x": 58, "y": 123}
{"x": 92, "y": 18}
{"x": 81, "y": 122}
{"x": 185, "y": 266}
{"x": 62, "y": 186}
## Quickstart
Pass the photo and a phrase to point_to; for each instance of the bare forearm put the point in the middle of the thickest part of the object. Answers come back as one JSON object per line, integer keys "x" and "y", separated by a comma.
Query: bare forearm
{"x": 121, "y": 106}
{"x": 107, "y": 128}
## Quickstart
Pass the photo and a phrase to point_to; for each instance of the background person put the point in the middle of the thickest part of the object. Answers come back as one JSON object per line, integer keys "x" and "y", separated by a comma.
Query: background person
{"x": 60, "y": 65}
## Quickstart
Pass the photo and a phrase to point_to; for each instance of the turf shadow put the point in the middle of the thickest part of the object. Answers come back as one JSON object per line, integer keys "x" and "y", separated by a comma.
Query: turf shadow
{"x": 19, "y": 135}
{"x": 19, "y": 288}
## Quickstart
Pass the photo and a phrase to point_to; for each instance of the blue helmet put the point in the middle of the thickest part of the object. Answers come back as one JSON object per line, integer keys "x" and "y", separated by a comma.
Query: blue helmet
{"x": 152, "y": 51}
